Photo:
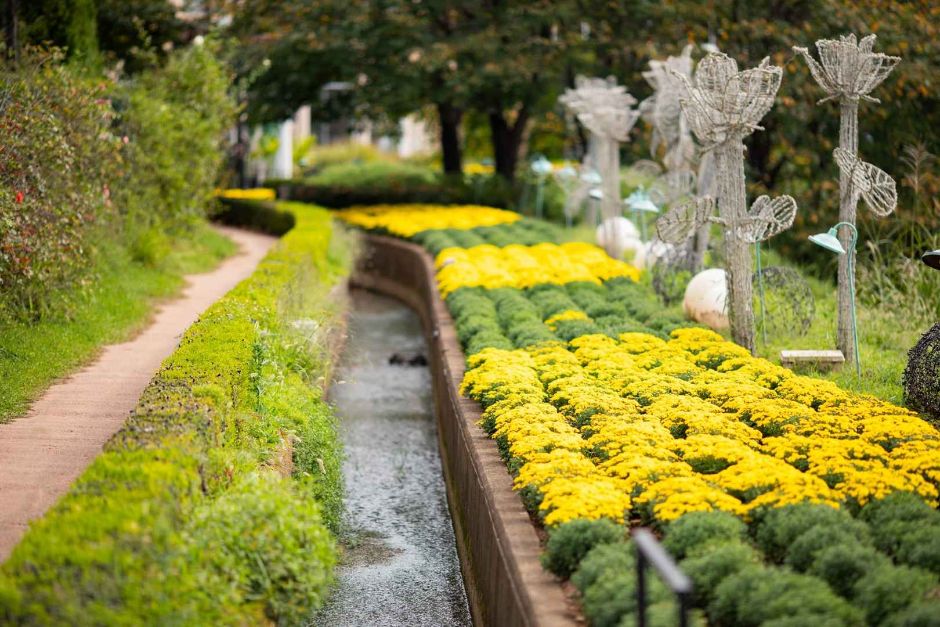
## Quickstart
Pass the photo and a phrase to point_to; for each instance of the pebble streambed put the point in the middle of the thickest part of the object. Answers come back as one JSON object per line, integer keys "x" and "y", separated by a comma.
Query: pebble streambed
{"x": 400, "y": 564}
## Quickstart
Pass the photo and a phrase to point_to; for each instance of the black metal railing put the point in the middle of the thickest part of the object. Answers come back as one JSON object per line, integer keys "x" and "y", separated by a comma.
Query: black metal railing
{"x": 649, "y": 552}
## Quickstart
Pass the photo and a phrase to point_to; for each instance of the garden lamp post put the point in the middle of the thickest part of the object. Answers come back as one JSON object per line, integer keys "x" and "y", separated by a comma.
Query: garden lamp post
{"x": 830, "y": 241}
{"x": 567, "y": 178}
{"x": 541, "y": 167}
{"x": 932, "y": 259}
{"x": 640, "y": 201}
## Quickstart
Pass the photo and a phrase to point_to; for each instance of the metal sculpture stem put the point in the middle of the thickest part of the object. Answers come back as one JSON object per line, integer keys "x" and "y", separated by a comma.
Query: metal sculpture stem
{"x": 848, "y": 201}
{"x": 732, "y": 210}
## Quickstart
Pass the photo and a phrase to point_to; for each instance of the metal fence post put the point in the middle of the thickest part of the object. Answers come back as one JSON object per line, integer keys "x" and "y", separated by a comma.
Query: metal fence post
{"x": 649, "y": 552}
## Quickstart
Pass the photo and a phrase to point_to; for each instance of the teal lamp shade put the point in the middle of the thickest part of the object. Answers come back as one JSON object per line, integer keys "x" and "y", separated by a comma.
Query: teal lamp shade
{"x": 542, "y": 166}
{"x": 567, "y": 173}
{"x": 932, "y": 259}
{"x": 596, "y": 194}
{"x": 828, "y": 240}
{"x": 640, "y": 201}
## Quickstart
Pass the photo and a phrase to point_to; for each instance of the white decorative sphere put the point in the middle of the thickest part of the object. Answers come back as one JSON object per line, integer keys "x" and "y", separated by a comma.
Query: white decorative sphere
{"x": 614, "y": 235}
{"x": 706, "y": 299}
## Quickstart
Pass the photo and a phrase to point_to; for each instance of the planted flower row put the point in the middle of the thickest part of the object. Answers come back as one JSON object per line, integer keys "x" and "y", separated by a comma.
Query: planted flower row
{"x": 606, "y": 407}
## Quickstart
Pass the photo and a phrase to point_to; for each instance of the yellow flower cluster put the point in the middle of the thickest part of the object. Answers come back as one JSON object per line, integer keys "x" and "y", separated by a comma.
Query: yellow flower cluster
{"x": 568, "y": 314}
{"x": 257, "y": 193}
{"x": 524, "y": 266}
{"x": 408, "y": 220}
{"x": 602, "y": 427}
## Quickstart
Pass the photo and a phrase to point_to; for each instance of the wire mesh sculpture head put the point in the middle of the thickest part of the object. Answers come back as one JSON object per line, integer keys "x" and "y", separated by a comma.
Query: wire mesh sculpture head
{"x": 848, "y": 68}
{"x": 722, "y": 103}
{"x": 663, "y": 111}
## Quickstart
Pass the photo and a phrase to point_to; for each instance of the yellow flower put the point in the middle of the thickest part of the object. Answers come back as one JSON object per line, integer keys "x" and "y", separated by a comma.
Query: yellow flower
{"x": 408, "y": 220}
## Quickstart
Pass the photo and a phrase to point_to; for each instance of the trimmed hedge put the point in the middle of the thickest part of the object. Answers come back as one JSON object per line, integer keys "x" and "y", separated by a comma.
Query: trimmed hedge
{"x": 214, "y": 503}
{"x": 263, "y": 216}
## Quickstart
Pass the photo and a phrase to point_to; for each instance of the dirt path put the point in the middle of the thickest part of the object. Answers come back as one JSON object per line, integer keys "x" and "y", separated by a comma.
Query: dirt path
{"x": 42, "y": 453}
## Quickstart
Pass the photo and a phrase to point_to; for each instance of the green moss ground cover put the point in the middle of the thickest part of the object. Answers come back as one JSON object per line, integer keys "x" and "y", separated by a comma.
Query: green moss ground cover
{"x": 109, "y": 308}
{"x": 217, "y": 501}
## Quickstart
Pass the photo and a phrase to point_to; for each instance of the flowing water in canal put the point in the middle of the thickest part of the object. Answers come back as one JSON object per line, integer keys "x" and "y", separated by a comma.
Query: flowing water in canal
{"x": 400, "y": 564}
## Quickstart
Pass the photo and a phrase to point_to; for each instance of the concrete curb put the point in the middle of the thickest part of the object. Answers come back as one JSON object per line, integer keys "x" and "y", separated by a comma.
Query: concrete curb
{"x": 497, "y": 542}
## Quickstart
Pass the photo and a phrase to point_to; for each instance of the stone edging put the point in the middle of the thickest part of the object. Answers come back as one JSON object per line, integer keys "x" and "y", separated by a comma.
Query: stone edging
{"x": 498, "y": 545}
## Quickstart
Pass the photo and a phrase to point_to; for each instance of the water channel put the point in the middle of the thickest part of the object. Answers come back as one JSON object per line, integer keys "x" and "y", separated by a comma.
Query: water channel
{"x": 400, "y": 564}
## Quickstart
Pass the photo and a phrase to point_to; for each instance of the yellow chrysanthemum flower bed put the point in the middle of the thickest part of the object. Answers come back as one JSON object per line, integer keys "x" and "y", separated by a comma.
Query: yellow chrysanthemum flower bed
{"x": 524, "y": 266}
{"x": 602, "y": 427}
{"x": 408, "y": 220}
{"x": 257, "y": 193}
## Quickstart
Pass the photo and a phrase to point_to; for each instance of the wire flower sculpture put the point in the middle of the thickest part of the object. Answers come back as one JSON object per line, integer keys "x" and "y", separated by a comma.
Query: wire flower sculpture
{"x": 848, "y": 70}
{"x": 606, "y": 110}
{"x": 724, "y": 105}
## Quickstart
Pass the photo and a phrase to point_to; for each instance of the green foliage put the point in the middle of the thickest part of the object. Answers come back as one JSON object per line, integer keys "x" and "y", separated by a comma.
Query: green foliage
{"x": 889, "y": 589}
{"x": 925, "y": 614}
{"x": 569, "y": 542}
{"x": 255, "y": 215}
{"x": 372, "y": 174}
{"x": 695, "y": 530}
{"x": 58, "y": 154}
{"x": 69, "y": 24}
{"x": 756, "y": 594}
{"x": 780, "y": 527}
{"x": 713, "y": 562}
{"x": 803, "y": 550}
{"x": 174, "y": 117}
{"x": 205, "y": 462}
{"x": 841, "y": 565}
{"x": 286, "y": 567}
{"x": 907, "y": 528}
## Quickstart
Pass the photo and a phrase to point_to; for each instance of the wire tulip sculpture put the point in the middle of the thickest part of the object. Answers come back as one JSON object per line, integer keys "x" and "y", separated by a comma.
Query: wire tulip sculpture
{"x": 723, "y": 106}
{"x": 607, "y": 111}
{"x": 848, "y": 70}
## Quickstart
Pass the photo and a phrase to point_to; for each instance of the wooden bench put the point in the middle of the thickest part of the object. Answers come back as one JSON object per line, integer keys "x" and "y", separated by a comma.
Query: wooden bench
{"x": 820, "y": 359}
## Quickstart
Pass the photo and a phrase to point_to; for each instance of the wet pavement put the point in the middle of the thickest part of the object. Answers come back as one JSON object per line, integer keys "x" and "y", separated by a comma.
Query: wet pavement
{"x": 400, "y": 564}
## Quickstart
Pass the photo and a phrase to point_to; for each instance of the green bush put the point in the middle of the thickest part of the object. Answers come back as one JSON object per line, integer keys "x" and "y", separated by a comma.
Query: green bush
{"x": 841, "y": 565}
{"x": 602, "y": 561}
{"x": 906, "y": 527}
{"x": 373, "y": 173}
{"x": 265, "y": 537}
{"x": 712, "y": 563}
{"x": 255, "y": 215}
{"x": 569, "y": 542}
{"x": 925, "y": 614}
{"x": 780, "y": 527}
{"x": 802, "y": 552}
{"x": 756, "y": 595}
{"x": 175, "y": 118}
{"x": 202, "y": 508}
{"x": 57, "y": 160}
{"x": 697, "y": 529}
{"x": 889, "y": 589}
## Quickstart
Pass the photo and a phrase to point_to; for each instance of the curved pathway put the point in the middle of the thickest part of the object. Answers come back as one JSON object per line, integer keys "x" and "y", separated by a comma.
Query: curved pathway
{"x": 42, "y": 453}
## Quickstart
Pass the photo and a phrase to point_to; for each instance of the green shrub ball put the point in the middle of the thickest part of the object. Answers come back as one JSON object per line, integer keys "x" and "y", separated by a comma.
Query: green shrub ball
{"x": 569, "y": 542}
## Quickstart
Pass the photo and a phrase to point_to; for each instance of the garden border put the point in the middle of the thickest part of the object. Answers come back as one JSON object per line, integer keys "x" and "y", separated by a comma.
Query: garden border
{"x": 497, "y": 542}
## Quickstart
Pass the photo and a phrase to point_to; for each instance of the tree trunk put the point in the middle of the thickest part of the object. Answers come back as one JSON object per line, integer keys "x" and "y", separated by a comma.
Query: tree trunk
{"x": 450, "y": 117}
{"x": 506, "y": 140}
{"x": 732, "y": 205}
{"x": 848, "y": 141}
